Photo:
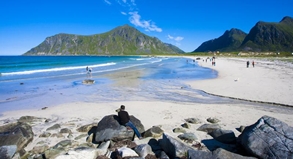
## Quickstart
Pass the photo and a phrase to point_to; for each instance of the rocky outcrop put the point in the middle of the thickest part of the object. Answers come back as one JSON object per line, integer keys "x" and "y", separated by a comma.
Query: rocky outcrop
{"x": 110, "y": 129}
{"x": 268, "y": 138}
{"x": 18, "y": 134}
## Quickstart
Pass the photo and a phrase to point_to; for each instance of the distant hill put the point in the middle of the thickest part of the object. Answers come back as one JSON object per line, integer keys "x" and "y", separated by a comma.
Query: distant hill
{"x": 262, "y": 37}
{"x": 229, "y": 41}
{"x": 123, "y": 40}
{"x": 270, "y": 36}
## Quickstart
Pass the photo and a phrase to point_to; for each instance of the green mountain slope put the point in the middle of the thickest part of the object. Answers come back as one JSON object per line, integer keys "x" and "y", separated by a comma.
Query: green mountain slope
{"x": 270, "y": 36}
{"x": 123, "y": 40}
{"x": 229, "y": 41}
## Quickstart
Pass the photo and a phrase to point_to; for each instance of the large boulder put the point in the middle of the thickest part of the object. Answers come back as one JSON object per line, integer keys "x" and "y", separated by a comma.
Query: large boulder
{"x": 110, "y": 129}
{"x": 218, "y": 154}
{"x": 268, "y": 138}
{"x": 173, "y": 147}
{"x": 19, "y": 134}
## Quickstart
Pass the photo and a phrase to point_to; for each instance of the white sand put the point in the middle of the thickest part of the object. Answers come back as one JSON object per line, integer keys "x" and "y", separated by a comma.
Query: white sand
{"x": 268, "y": 81}
{"x": 261, "y": 83}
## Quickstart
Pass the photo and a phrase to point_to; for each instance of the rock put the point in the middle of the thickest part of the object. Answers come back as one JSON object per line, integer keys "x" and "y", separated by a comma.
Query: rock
{"x": 40, "y": 149}
{"x": 80, "y": 136}
{"x": 63, "y": 144}
{"x": 88, "y": 81}
{"x": 104, "y": 145}
{"x": 208, "y": 127}
{"x": 143, "y": 150}
{"x": 86, "y": 128}
{"x": 193, "y": 154}
{"x": 268, "y": 138}
{"x": 127, "y": 152}
{"x": 213, "y": 120}
{"x": 172, "y": 147}
{"x": 155, "y": 132}
{"x": 241, "y": 128}
{"x": 186, "y": 125}
{"x": 163, "y": 155}
{"x": 54, "y": 152}
{"x": 110, "y": 129}
{"x": 188, "y": 137}
{"x": 123, "y": 143}
{"x": 58, "y": 135}
{"x": 19, "y": 134}
{"x": 90, "y": 138}
{"x": 224, "y": 136}
{"x": 30, "y": 119}
{"x": 193, "y": 120}
{"x": 224, "y": 154}
{"x": 65, "y": 130}
{"x": 45, "y": 134}
{"x": 218, "y": 154}
{"x": 8, "y": 151}
{"x": 179, "y": 130}
{"x": 84, "y": 153}
{"x": 54, "y": 127}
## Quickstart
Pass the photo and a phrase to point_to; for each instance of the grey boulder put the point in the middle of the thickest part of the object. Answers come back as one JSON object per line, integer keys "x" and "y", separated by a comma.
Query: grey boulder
{"x": 110, "y": 129}
{"x": 268, "y": 138}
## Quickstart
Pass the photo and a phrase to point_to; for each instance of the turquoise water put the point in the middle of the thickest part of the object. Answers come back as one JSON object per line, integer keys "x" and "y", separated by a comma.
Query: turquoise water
{"x": 39, "y": 81}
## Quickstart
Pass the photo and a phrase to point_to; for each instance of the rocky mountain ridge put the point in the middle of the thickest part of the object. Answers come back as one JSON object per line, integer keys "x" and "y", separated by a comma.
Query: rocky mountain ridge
{"x": 123, "y": 40}
{"x": 264, "y": 36}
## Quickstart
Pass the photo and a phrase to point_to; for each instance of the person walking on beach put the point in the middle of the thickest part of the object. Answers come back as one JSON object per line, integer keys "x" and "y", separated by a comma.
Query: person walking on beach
{"x": 125, "y": 120}
{"x": 252, "y": 63}
{"x": 247, "y": 64}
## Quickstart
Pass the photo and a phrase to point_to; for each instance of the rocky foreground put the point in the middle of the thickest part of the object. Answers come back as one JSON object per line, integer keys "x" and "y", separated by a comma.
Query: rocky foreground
{"x": 268, "y": 138}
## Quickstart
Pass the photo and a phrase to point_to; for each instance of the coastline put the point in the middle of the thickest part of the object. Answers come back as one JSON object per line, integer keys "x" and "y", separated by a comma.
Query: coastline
{"x": 259, "y": 83}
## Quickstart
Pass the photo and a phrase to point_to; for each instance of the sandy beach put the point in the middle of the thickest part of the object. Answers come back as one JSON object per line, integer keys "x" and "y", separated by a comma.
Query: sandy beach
{"x": 268, "y": 81}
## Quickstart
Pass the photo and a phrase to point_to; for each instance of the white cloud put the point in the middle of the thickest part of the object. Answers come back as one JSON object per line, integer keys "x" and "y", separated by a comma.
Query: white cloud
{"x": 170, "y": 37}
{"x": 108, "y": 2}
{"x": 175, "y": 40}
{"x": 178, "y": 38}
{"x": 123, "y": 13}
{"x": 124, "y": 1}
{"x": 147, "y": 25}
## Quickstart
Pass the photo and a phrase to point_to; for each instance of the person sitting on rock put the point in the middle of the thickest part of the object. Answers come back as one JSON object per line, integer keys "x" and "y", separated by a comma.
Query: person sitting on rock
{"x": 125, "y": 120}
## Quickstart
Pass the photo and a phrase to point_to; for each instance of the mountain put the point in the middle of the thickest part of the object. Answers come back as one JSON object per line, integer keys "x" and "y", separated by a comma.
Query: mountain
{"x": 229, "y": 41}
{"x": 266, "y": 36}
{"x": 262, "y": 37}
{"x": 123, "y": 40}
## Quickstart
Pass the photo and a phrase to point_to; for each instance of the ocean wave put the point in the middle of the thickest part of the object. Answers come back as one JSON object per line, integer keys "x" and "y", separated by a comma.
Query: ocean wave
{"x": 56, "y": 69}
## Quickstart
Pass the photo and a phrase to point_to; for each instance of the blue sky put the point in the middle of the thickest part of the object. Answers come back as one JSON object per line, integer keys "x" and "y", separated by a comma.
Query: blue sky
{"x": 185, "y": 23}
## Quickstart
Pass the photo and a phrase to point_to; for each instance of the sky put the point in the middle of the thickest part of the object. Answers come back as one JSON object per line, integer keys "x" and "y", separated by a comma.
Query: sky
{"x": 24, "y": 24}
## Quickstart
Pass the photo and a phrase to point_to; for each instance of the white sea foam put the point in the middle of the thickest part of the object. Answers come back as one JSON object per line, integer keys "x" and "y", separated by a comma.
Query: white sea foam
{"x": 56, "y": 69}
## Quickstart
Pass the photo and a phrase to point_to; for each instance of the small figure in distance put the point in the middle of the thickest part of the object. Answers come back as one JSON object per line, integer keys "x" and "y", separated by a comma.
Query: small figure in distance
{"x": 252, "y": 63}
{"x": 247, "y": 64}
{"x": 90, "y": 72}
{"x": 125, "y": 120}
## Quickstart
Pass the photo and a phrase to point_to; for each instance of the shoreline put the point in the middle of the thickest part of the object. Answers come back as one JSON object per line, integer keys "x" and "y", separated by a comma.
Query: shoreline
{"x": 268, "y": 82}
{"x": 170, "y": 114}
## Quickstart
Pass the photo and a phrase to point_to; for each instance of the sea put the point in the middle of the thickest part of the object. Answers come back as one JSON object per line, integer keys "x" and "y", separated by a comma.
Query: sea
{"x": 35, "y": 82}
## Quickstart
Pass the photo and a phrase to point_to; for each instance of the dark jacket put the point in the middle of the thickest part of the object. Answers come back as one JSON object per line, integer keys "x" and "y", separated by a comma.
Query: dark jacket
{"x": 123, "y": 117}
